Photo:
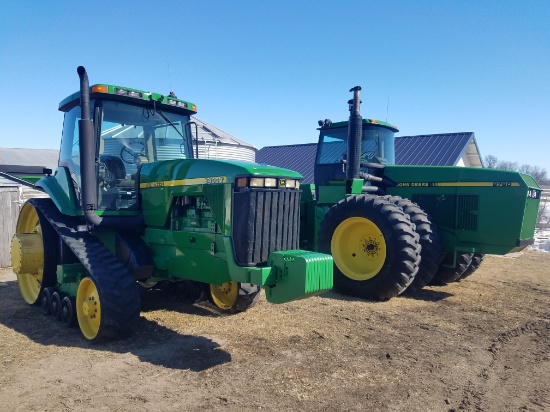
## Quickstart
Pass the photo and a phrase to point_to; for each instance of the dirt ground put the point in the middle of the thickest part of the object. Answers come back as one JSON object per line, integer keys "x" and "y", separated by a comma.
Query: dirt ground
{"x": 478, "y": 345}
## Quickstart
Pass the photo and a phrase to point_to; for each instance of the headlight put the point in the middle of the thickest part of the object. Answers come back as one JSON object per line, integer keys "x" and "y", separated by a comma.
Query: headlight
{"x": 267, "y": 182}
{"x": 257, "y": 182}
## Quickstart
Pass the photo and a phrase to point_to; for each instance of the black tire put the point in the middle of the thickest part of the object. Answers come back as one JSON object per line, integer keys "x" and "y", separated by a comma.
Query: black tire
{"x": 56, "y": 305}
{"x": 447, "y": 274}
{"x": 429, "y": 241}
{"x": 477, "y": 260}
{"x": 119, "y": 302}
{"x": 68, "y": 311}
{"x": 227, "y": 300}
{"x": 374, "y": 243}
{"x": 46, "y": 300}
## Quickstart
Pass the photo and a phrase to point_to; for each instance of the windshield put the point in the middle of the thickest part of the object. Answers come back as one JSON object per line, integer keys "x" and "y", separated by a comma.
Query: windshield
{"x": 377, "y": 145}
{"x": 138, "y": 134}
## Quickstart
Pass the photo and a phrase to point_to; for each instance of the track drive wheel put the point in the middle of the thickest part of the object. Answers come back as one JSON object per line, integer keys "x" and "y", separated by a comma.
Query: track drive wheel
{"x": 374, "y": 244}
{"x": 34, "y": 251}
{"x": 447, "y": 274}
{"x": 234, "y": 297}
{"x": 105, "y": 310}
{"x": 429, "y": 241}
{"x": 477, "y": 260}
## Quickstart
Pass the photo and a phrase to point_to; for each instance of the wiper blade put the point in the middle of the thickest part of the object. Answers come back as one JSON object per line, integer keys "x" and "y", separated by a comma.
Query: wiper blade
{"x": 171, "y": 124}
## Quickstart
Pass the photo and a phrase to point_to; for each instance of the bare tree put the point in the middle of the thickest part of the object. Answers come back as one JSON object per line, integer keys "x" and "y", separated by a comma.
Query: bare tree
{"x": 507, "y": 165}
{"x": 538, "y": 173}
{"x": 542, "y": 220}
{"x": 490, "y": 161}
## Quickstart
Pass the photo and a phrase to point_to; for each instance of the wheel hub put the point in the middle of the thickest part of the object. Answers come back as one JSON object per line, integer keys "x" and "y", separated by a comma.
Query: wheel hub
{"x": 89, "y": 307}
{"x": 27, "y": 253}
{"x": 371, "y": 247}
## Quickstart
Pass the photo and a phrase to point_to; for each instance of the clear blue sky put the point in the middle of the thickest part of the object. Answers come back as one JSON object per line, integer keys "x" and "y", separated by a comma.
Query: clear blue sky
{"x": 266, "y": 71}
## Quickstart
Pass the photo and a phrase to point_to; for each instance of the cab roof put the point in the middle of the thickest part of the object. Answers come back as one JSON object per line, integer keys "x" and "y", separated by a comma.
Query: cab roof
{"x": 128, "y": 95}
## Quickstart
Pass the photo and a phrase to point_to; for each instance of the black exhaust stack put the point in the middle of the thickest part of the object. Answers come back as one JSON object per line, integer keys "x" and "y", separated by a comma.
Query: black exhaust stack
{"x": 87, "y": 154}
{"x": 88, "y": 167}
{"x": 355, "y": 133}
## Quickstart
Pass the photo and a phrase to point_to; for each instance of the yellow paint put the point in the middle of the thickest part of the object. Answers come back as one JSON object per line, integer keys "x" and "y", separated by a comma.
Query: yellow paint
{"x": 185, "y": 182}
{"x": 225, "y": 295}
{"x": 358, "y": 248}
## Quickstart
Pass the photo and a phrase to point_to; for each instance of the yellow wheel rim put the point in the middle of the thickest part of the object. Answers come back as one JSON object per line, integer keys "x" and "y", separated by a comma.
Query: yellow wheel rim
{"x": 27, "y": 251}
{"x": 88, "y": 308}
{"x": 225, "y": 295}
{"x": 358, "y": 248}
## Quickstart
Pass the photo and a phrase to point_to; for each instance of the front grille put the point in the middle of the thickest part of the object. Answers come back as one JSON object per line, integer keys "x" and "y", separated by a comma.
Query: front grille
{"x": 264, "y": 221}
{"x": 458, "y": 212}
{"x": 468, "y": 207}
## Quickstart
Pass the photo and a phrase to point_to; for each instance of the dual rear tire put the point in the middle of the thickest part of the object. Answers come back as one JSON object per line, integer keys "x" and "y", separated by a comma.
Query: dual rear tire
{"x": 374, "y": 244}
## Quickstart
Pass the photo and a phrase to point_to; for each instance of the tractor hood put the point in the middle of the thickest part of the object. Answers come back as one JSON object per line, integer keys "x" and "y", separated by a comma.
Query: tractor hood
{"x": 162, "y": 182}
{"x": 205, "y": 171}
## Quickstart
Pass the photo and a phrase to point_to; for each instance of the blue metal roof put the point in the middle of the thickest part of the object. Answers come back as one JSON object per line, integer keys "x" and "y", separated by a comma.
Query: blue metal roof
{"x": 429, "y": 150}
{"x": 298, "y": 157}
{"x": 432, "y": 149}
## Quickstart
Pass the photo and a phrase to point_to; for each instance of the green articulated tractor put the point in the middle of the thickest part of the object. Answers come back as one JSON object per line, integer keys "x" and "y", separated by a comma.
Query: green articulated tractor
{"x": 392, "y": 227}
{"x": 130, "y": 205}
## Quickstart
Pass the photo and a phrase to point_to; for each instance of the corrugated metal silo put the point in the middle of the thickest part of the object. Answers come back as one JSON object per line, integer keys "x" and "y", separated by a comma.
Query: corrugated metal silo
{"x": 217, "y": 144}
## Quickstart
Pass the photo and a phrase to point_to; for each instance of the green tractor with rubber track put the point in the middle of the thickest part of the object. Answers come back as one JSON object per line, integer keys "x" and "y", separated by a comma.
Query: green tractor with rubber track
{"x": 393, "y": 228}
{"x": 131, "y": 206}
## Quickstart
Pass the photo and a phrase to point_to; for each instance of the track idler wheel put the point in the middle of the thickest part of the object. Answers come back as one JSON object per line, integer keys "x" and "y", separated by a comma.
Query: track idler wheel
{"x": 34, "y": 252}
{"x": 88, "y": 308}
{"x": 107, "y": 309}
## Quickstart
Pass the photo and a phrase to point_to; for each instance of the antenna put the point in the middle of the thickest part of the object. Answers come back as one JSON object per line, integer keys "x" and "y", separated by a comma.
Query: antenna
{"x": 169, "y": 78}
{"x": 387, "y": 109}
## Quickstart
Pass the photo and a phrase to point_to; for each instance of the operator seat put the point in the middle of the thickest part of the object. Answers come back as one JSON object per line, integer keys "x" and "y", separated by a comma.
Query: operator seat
{"x": 114, "y": 167}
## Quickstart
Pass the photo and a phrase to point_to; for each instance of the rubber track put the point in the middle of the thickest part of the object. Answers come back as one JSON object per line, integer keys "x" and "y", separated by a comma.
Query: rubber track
{"x": 119, "y": 294}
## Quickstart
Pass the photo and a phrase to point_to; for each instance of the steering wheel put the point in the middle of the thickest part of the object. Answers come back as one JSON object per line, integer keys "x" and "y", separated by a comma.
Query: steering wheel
{"x": 134, "y": 149}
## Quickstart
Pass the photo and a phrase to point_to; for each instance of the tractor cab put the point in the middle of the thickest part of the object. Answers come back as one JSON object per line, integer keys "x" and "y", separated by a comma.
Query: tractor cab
{"x": 131, "y": 128}
{"x": 377, "y": 147}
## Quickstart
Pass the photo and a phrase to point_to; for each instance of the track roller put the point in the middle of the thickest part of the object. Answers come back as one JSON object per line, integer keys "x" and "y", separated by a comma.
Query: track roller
{"x": 46, "y": 300}
{"x": 68, "y": 311}
{"x": 55, "y": 305}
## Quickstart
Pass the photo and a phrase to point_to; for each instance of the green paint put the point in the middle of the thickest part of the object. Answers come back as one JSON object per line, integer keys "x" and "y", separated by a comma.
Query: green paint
{"x": 187, "y": 207}
{"x": 487, "y": 211}
{"x": 69, "y": 276}
{"x": 476, "y": 210}
{"x": 287, "y": 281}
